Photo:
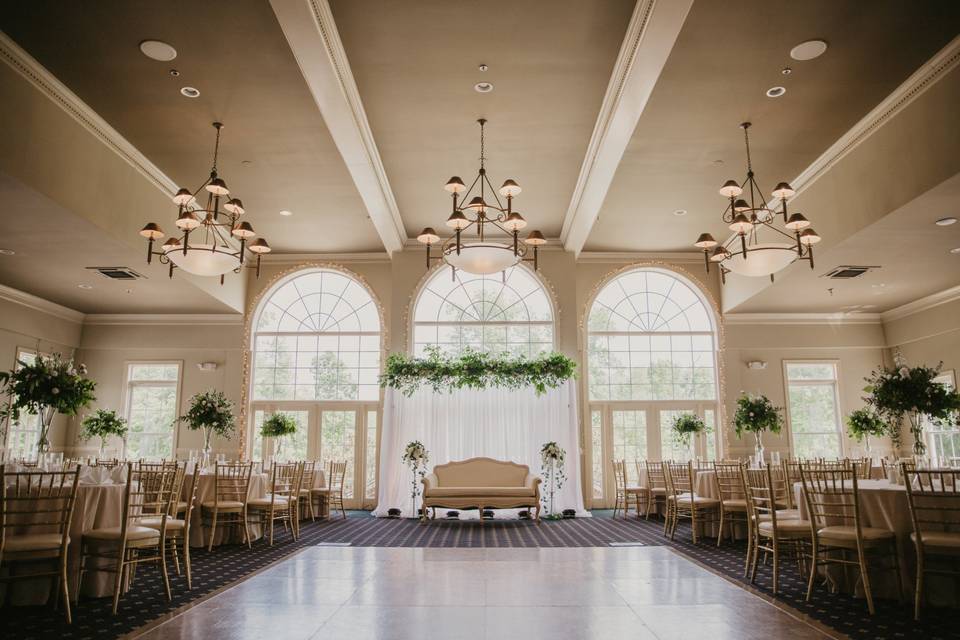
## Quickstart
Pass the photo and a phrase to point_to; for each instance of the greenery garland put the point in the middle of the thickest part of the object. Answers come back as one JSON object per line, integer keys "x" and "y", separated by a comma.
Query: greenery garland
{"x": 756, "y": 414}
{"x": 476, "y": 370}
{"x": 687, "y": 425}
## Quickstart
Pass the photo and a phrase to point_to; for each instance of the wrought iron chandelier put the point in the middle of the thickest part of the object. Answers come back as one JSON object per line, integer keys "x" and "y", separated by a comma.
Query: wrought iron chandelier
{"x": 748, "y": 219}
{"x": 483, "y": 256}
{"x": 214, "y": 241}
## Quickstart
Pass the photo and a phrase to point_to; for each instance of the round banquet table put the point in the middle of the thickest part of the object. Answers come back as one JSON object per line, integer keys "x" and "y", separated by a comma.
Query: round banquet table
{"x": 884, "y": 505}
{"x": 97, "y": 506}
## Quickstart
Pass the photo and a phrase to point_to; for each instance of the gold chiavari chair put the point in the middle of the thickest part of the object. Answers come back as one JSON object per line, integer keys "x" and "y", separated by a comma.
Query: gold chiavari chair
{"x": 768, "y": 529}
{"x": 178, "y": 529}
{"x": 109, "y": 463}
{"x": 306, "y": 494}
{"x": 833, "y": 506}
{"x": 231, "y": 488}
{"x": 286, "y": 479}
{"x": 682, "y": 501}
{"x": 147, "y": 497}
{"x": 626, "y": 492}
{"x": 36, "y": 508}
{"x": 934, "y": 500}
{"x": 333, "y": 492}
{"x": 864, "y": 467}
{"x": 732, "y": 495}
{"x": 657, "y": 486}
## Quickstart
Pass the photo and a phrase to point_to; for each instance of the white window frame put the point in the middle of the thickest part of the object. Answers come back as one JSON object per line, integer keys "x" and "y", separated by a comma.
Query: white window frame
{"x": 838, "y": 411}
{"x": 129, "y": 385}
{"x": 931, "y": 430}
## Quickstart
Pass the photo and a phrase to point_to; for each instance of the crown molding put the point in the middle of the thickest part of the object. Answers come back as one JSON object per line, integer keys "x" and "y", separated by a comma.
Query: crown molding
{"x": 612, "y": 257}
{"x": 649, "y": 39}
{"x": 800, "y": 318}
{"x": 312, "y": 34}
{"x": 37, "y": 303}
{"x": 922, "y": 304}
{"x": 154, "y": 319}
{"x": 298, "y": 258}
{"x": 58, "y": 93}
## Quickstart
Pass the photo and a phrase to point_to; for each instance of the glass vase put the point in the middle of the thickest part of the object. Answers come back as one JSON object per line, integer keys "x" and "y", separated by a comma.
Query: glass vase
{"x": 46, "y": 419}
{"x": 758, "y": 448}
{"x": 207, "y": 448}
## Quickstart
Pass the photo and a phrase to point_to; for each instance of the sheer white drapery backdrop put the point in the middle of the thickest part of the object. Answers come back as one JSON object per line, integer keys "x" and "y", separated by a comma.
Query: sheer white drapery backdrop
{"x": 495, "y": 423}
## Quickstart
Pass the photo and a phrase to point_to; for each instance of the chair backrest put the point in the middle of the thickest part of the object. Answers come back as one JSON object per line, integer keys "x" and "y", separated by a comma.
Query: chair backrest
{"x": 190, "y": 496}
{"x": 729, "y": 481}
{"x": 338, "y": 470}
{"x": 864, "y": 467}
{"x": 679, "y": 477}
{"x": 181, "y": 471}
{"x": 655, "y": 475}
{"x": 147, "y": 493}
{"x": 933, "y": 496}
{"x": 231, "y": 482}
{"x": 620, "y": 474}
{"x": 309, "y": 474}
{"x": 831, "y": 495}
{"x": 761, "y": 497}
{"x": 37, "y": 502}
{"x": 110, "y": 463}
{"x": 285, "y": 480}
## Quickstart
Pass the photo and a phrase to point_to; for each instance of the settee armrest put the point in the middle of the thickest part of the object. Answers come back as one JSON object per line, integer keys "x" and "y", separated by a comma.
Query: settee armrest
{"x": 533, "y": 482}
{"x": 429, "y": 482}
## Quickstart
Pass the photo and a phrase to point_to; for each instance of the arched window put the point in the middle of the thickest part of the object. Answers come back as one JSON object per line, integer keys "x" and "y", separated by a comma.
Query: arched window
{"x": 651, "y": 356}
{"x": 492, "y": 313}
{"x": 317, "y": 337}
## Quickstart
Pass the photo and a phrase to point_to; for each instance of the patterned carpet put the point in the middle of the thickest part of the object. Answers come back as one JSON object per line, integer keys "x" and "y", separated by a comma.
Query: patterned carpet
{"x": 225, "y": 565}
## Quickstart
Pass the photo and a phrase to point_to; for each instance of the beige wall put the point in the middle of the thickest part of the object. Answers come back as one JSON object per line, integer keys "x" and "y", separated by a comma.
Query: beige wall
{"x": 26, "y": 327}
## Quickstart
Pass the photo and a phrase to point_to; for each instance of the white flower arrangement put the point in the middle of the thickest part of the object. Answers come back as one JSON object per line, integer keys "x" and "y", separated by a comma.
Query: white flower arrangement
{"x": 552, "y": 457}
{"x": 416, "y": 456}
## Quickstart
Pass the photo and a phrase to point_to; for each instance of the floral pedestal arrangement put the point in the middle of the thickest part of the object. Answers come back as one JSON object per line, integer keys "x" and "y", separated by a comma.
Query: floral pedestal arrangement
{"x": 552, "y": 458}
{"x": 211, "y": 412}
{"x": 756, "y": 414}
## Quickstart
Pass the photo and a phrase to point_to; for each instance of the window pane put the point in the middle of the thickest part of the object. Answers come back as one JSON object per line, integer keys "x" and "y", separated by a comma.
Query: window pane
{"x": 152, "y": 410}
{"x": 629, "y": 436}
{"x": 813, "y": 420}
{"x": 337, "y": 441}
{"x": 596, "y": 441}
{"x": 371, "y": 456}
{"x": 811, "y": 371}
{"x": 709, "y": 418}
{"x": 167, "y": 372}
{"x": 670, "y": 446}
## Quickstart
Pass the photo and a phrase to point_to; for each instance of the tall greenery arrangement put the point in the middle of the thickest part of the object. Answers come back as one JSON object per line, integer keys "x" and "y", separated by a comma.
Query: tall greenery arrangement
{"x": 103, "y": 424}
{"x": 864, "y": 423}
{"x": 46, "y": 386}
{"x": 912, "y": 392}
{"x": 278, "y": 425}
{"x": 686, "y": 426}
{"x": 213, "y": 413}
{"x": 476, "y": 370}
{"x": 756, "y": 414}
{"x": 416, "y": 457}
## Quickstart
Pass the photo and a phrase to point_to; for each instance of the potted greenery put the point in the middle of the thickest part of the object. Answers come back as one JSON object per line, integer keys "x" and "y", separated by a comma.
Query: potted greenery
{"x": 686, "y": 427}
{"x": 103, "y": 424}
{"x": 756, "y": 414}
{"x": 552, "y": 457}
{"x": 278, "y": 426}
{"x": 863, "y": 423}
{"x": 912, "y": 392}
{"x": 45, "y": 387}
{"x": 211, "y": 412}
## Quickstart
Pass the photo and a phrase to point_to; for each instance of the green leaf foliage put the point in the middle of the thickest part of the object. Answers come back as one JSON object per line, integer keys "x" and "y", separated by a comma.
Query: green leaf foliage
{"x": 756, "y": 414}
{"x": 210, "y": 410}
{"x": 278, "y": 425}
{"x": 48, "y": 381}
{"x": 102, "y": 424}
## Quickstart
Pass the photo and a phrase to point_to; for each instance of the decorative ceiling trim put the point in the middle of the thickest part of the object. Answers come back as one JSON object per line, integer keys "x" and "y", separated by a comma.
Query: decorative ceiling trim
{"x": 801, "y": 318}
{"x": 58, "y": 93}
{"x": 931, "y": 72}
{"x": 315, "y": 42}
{"x": 300, "y": 258}
{"x": 37, "y": 303}
{"x": 223, "y": 319}
{"x": 922, "y": 304}
{"x": 651, "y": 33}
{"x": 610, "y": 257}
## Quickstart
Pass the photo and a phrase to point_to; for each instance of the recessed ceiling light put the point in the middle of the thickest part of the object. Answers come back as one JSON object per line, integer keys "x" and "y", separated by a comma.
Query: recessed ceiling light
{"x": 955, "y": 250}
{"x": 808, "y": 50}
{"x": 174, "y": 73}
{"x": 7, "y": 252}
{"x": 157, "y": 50}
{"x": 285, "y": 212}
{"x": 483, "y": 87}
{"x": 680, "y": 212}
{"x": 246, "y": 163}
{"x": 483, "y": 68}
{"x": 786, "y": 71}
{"x": 85, "y": 286}
{"x": 946, "y": 222}
{"x": 776, "y": 92}
{"x": 190, "y": 92}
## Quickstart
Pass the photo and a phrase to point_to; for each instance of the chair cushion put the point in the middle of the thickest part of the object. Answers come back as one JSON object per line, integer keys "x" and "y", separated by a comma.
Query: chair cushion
{"x": 33, "y": 542}
{"x": 223, "y": 504}
{"x": 469, "y": 492}
{"x": 321, "y": 490}
{"x": 278, "y": 501}
{"x": 113, "y": 533}
{"x": 637, "y": 490}
{"x": 782, "y": 514}
{"x": 658, "y": 491}
{"x": 849, "y": 533}
{"x": 735, "y": 504}
{"x": 700, "y": 501}
{"x": 173, "y": 524}
{"x": 182, "y": 506}
{"x": 939, "y": 539}
{"x": 785, "y": 527}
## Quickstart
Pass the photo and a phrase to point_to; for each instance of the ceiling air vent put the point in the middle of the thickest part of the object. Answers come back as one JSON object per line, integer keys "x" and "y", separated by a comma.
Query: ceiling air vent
{"x": 117, "y": 273}
{"x": 847, "y": 272}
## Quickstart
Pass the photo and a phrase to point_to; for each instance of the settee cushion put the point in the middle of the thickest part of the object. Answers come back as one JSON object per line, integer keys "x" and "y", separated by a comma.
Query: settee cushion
{"x": 481, "y": 472}
{"x": 468, "y": 492}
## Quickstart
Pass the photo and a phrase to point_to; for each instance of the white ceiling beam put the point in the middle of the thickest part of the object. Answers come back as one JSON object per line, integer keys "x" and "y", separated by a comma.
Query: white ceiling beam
{"x": 310, "y": 30}
{"x": 652, "y": 31}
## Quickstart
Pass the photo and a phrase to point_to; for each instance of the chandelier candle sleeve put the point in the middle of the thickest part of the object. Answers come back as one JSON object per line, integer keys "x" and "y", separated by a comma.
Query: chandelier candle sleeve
{"x": 220, "y": 240}
{"x": 484, "y": 212}
{"x": 749, "y": 216}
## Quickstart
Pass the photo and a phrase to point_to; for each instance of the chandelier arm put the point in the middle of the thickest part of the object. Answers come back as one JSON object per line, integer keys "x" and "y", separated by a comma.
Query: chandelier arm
{"x": 494, "y": 192}
{"x": 770, "y": 225}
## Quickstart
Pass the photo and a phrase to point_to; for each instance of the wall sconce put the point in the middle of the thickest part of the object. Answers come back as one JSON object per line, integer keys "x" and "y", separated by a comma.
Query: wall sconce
{"x": 757, "y": 365}
{"x": 207, "y": 366}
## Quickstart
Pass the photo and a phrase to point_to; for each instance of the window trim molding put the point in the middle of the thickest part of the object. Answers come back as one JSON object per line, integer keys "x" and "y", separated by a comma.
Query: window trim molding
{"x": 837, "y": 396}
{"x": 128, "y": 385}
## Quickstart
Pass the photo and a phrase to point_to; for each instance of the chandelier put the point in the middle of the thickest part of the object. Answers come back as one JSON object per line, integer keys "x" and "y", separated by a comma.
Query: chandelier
{"x": 746, "y": 253}
{"x": 483, "y": 256}
{"x": 214, "y": 240}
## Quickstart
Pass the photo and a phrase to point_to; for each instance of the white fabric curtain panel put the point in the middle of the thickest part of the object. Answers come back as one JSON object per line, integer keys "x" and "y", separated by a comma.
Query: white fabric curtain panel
{"x": 495, "y": 423}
